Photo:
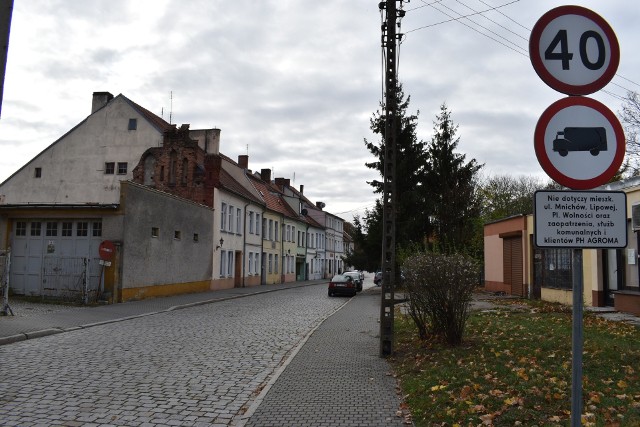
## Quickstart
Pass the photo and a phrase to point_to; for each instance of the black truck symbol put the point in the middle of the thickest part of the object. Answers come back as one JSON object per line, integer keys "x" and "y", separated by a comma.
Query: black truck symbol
{"x": 593, "y": 140}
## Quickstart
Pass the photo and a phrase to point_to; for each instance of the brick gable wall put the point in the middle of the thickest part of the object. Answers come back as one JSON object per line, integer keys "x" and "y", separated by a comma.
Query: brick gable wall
{"x": 180, "y": 167}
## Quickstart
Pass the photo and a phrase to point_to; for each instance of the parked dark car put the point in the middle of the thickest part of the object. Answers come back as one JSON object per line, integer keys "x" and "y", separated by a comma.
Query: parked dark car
{"x": 377, "y": 279}
{"x": 357, "y": 278}
{"x": 341, "y": 284}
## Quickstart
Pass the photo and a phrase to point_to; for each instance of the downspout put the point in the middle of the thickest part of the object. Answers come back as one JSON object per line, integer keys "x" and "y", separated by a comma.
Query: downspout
{"x": 306, "y": 252}
{"x": 244, "y": 246}
{"x": 263, "y": 269}
{"x": 282, "y": 276}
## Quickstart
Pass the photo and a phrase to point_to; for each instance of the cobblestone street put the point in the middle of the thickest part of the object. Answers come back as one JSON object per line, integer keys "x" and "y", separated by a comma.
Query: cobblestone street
{"x": 198, "y": 366}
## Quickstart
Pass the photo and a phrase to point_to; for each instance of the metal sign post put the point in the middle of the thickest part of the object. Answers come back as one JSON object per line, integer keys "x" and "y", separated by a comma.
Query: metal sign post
{"x": 576, "y": 52}
{"x": 577, "y": 341}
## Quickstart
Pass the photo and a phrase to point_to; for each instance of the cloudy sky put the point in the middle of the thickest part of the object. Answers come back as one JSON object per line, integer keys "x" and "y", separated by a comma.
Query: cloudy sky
{"x": 293, "y": 83}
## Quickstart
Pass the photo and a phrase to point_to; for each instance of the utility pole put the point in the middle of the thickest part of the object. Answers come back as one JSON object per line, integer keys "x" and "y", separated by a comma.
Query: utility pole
{"x": 389, "y": 37}
{"x": 6, "y": 10}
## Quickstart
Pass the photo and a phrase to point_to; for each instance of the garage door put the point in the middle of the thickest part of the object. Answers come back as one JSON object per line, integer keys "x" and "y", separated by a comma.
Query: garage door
{"x": 47, "y": 256}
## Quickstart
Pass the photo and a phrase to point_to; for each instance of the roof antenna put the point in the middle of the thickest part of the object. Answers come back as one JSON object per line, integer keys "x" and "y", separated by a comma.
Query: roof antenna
{"x": 247, "y": 149}
{"x": 171, "y": 106}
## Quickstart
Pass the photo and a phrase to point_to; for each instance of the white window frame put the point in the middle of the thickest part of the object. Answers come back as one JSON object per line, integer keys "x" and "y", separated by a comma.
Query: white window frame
{"x": 230, "y": 255}
{"x": 238, "y": 221}
{"x": 223, "y": 264}
{"x": 258, "y": 224}
{"x": 223, "y": 216}
{"x": 230, "y": 216}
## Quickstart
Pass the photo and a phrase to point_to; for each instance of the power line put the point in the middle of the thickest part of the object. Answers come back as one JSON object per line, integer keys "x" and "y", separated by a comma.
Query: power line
{"x": 505, "y": 15}
{"x": 452, "y": 18}
{"x": 491, "y": 20}
{"x": 517, "y": 49}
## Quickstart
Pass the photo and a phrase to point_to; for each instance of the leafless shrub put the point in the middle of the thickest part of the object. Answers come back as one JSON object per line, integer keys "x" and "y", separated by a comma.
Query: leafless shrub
{"x": 439, "y": 288}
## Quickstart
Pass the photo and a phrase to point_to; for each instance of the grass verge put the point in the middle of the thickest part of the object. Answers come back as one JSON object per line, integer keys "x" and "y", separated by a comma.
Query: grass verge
{"x": 514, "y": 368}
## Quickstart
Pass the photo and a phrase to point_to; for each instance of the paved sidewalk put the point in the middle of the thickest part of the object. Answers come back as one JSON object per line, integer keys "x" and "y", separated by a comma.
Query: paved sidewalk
{"x": 336, "y": 378}
{"x": 32, "y": 320}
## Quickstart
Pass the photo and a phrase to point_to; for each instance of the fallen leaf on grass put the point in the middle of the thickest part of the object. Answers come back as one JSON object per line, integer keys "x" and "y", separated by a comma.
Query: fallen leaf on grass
{"x": 477, "y": 408}
{"x": 487, "y": 419}
{"x": 511, "y": 401}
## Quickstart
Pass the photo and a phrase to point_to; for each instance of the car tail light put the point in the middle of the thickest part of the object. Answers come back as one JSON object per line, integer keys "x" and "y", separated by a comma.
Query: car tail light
{"x": 332, "y": 285}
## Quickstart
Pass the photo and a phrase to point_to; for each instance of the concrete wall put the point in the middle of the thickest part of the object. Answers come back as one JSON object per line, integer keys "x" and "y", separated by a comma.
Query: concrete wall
{"x": 72, "y": 168}
{"x": 208, "y": 139}
{"x": 166, "y": 264}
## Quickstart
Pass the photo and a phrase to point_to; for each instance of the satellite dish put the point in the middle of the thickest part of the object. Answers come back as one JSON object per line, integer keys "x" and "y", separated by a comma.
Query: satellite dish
{"x": 304, "y": 212}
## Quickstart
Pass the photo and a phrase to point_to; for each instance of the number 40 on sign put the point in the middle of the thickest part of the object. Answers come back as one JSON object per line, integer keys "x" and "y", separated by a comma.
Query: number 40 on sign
{"x": 574, "y": 50}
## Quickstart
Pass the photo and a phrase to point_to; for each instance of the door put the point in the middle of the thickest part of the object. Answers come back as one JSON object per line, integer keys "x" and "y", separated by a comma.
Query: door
{"x": 512, "y": 265}
{"x": 237, "y": 273}
{"x": 45, "y": 254}
{"x": 613, "y": 271}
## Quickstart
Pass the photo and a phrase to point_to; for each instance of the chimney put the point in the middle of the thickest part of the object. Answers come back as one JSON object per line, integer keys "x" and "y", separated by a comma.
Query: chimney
{"x": 265, "y": 175}
{"x": 243, "y": 161}
{"x": 281, "y": 182}
{"x": 100, "y": 99}
{"x": 320, "y": 205}
{"x": 212, "y": 167}
{"x": 301, "y": 189}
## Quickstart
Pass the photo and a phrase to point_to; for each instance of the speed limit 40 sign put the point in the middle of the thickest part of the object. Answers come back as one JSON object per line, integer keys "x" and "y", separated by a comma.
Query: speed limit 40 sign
{"x": 574, "y": 50}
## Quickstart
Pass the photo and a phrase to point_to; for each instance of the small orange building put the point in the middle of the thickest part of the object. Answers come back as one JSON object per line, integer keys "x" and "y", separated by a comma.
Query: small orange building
{"x": 506, "y": 253}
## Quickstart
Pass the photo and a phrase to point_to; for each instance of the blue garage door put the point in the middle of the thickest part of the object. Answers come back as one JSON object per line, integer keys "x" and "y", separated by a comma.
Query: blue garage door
{"x": 47, "y": 255}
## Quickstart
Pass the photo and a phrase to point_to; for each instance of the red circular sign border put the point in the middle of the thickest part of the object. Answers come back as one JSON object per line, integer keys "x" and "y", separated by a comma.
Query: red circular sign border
{"x": 547, "y": 77}
{"x": 106, "y": 250}
{"x": 545, "y": 162}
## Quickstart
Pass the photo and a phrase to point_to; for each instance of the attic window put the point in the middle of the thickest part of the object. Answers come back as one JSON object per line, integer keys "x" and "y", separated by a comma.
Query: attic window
{"x": 38, "y": 173}
{"x": 133, "y": 124}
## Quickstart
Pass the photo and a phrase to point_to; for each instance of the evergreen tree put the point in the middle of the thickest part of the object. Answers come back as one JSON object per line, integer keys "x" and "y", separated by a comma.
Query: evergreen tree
{"x": 436, "y": 197}
{"x": 411, "y": 159}
{"x": 451, "y": 184}
{"x": 367, "y": 242}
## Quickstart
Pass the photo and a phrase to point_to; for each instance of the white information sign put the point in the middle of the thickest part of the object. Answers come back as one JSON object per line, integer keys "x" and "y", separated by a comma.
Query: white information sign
{"x": 580, "y": 219}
